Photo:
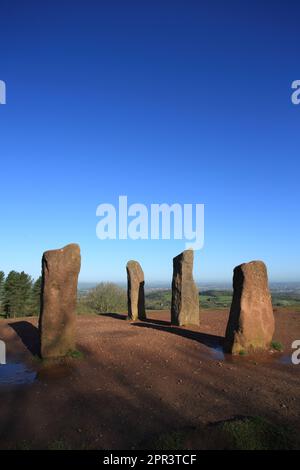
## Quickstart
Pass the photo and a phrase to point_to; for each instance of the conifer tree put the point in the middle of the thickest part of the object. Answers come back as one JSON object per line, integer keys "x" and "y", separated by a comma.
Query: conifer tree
{"x": 2, "y": 279}
{"x": 17, "y": 294}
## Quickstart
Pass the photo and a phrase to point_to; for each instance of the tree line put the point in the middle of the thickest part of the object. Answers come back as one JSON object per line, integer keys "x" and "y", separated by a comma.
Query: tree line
{"x": 19, "y": 294}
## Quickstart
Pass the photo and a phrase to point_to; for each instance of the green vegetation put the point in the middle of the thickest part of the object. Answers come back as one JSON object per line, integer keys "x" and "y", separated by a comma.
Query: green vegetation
{"x": 19, "y": 295}
{"x": 214, "y": 299}
{"x": 245, "y": 433}
{"x": 286, "y": 299}
{"x": 104, "y": 298}
{"x": 23, "y": 445}
{"x": 2, "y": 279}
{"x": 255, "y": 433}
{"x": 75, "y": 354}
{"x": 168, "y": 441}
{"x": 242, "y": 352}
{"x": 160, "y": 299}
{"x": 277, "y": 346}
{"x": 240, "y": 433}
{"x": 59, "y": 444}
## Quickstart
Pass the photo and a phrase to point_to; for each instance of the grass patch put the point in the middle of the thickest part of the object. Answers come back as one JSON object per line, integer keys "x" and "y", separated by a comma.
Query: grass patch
{"x": 240, "y": 433}
{"x": 59, "y": 444}
{"x": 23, "y": 445}
{"x": 75, "y": 354}
{"x": 242, "y": 352}
{"x": 216, "y": 299}
{"x": 277, "y": 346}
{"x": 173, "y": 440}
{"x": 255, "y": 433}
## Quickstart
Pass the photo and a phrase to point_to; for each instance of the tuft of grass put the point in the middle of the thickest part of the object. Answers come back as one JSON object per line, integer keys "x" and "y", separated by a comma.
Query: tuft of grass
{"x": 37, "y": 359}
{"x": 58, "y": 444}
{"x": 255, "y": 433}
{"x": 173, "y": 440}
{"x": 75, "y": 354}
{"x": 23, "y": 445}
{"x": 277, "y": 346}
{"x": 243, "y": 352}
{"x": 239, "y": 433}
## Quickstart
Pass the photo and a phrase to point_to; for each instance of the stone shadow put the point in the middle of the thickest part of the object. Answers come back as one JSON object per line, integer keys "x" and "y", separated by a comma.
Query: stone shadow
{"x": 29, "y": 335}
{"x": 116, "y": 316}
{"x": 211, "y": 341}
{"x": 123, "y": 316}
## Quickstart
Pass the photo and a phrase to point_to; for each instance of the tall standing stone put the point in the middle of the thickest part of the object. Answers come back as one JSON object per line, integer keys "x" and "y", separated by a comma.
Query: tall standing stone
{"x": 135, "y": 291}
{"x": 251, "y": 320}
{"x": 60, "y": 269}
{"x": 185, "y": 294}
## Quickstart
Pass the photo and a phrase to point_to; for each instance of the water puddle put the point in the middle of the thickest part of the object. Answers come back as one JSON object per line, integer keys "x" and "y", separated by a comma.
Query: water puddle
{"x": 16, "y": 373}
{"x": 286, "y": 359}
{"x": 217, "y": 353}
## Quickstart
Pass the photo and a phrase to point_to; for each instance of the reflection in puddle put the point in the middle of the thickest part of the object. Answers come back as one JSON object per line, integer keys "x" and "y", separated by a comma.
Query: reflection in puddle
{"x": 218, "y": 353}
{"x": 16, "y": 374}
{"x": 285, "y": 360}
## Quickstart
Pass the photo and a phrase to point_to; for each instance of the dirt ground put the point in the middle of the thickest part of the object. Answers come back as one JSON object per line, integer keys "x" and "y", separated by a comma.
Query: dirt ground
{"x": 137, "y": 380}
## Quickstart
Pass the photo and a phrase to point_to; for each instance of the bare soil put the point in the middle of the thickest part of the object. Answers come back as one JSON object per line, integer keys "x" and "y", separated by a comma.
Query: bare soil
{"x": 138, "y": 380}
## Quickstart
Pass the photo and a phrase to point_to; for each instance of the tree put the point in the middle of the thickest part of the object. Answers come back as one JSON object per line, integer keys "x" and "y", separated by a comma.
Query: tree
{"x": 17, "y": 292}
{"x": 106, "y": 297}
{"x": 2, "y": 279}
{"x": 35, "y": 298}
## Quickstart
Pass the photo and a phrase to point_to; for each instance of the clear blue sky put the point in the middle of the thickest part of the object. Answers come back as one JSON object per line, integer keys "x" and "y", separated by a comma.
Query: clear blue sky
{"x": 163, "y": 101}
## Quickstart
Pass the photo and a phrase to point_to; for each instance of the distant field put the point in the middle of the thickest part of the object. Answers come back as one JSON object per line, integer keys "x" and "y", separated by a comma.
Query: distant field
{"x": 160, "y": 299}
{"x": 214, "y": 299}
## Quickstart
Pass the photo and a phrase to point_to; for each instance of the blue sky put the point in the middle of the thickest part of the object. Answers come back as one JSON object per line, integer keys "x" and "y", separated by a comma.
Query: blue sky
{"x": 178, "y": 101}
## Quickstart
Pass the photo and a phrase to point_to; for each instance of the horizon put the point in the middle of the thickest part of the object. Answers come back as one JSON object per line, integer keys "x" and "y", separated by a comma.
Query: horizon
{"x": 151, "y": 281}
{"x": 200, "y": 283}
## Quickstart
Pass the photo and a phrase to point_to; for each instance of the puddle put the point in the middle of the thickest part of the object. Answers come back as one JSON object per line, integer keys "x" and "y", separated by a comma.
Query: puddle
{"x": 218, "y": 353}
{"x": 286, "y": 359}
{"x": 16, "y": 374}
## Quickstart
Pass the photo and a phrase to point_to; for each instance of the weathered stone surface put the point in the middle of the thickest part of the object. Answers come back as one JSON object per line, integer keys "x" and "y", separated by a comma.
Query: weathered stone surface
{"x": 185, "y": 294}
{"x": 135, "y": 291}
{"x": 60, "y": 269}
{"x": 251, "y": 320}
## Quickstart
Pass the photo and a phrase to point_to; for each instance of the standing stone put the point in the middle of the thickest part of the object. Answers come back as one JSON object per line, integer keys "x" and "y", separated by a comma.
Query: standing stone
{"x": 135, "y": 291}
{"x": 185, "y": 294}
{"x": 60, "y": 269}
{"x": 251, "y": 321}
